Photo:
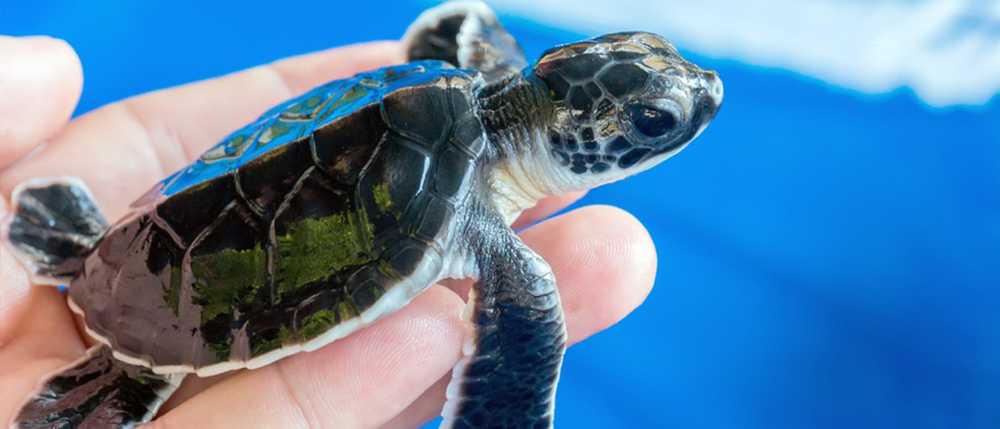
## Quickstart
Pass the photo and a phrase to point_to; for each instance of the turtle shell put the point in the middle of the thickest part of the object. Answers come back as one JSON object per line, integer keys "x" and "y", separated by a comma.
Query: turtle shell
{"x": 327, "y": 212}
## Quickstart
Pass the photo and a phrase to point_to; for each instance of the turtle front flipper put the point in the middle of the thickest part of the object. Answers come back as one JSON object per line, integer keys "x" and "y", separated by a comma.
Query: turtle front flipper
{"x": 466, "y": 34}
{"x": 53, "y": 226}
{"x": 98, "y": 391}
{"x": 509, "y": 373}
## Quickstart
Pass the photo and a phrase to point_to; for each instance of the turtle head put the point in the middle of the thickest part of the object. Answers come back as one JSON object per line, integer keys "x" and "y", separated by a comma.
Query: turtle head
{"x": 622, "y": 103}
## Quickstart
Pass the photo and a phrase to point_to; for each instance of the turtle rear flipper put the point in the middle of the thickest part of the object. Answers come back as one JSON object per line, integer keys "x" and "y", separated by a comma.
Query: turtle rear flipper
{"x": 98, "y": 391}
{"x": 466, "y": 34}
{"x": 53, "y": 225}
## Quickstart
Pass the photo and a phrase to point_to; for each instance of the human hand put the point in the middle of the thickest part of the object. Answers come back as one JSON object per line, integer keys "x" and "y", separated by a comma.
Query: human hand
{"x": 391, "y": 374}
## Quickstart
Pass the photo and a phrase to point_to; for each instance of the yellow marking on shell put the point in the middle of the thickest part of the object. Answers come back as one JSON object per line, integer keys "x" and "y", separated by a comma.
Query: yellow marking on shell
{"x": 284, "y": 338}
{"x": 277, "y": 129}
{"x": 172, "y": 293}
{"x": 356, "y": 92}
{"x": 371, "y": 83}
{"x": 316, "y": 248}
{"x": 312, "y": 101}
{"x": 387, "y": 270}
{"x": 441, "y": 82}
{"x": 238, "y": 143}
{"x": 225, "y": 278}
{"x": 303, "y": 110}
{"x": 346, "y": 310}
{"x": 342, "y": 164}
{"x": 317, "y": 323}
{"x": 394, "y": 74}
{"x": 382, "y": 198}
{"x": 285, "y": 335}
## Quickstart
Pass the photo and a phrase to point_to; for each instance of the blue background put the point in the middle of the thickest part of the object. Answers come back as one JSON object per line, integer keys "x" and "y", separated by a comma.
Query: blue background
{"x": 828, "y": 259}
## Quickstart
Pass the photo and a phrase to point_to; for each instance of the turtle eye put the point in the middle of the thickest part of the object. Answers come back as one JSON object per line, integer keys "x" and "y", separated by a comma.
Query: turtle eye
{"x": 651, "y": 121}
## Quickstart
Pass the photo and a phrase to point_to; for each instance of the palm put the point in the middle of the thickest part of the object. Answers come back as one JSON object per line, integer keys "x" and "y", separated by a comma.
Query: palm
{"x": 392, "y": 374}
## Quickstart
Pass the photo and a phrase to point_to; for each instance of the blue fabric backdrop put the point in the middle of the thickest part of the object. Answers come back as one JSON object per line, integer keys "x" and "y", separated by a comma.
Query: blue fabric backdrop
{"x": 828, "y": 259}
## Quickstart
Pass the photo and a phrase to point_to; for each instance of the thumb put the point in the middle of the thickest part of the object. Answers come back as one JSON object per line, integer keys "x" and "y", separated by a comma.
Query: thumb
{"x": 40, "y": 83}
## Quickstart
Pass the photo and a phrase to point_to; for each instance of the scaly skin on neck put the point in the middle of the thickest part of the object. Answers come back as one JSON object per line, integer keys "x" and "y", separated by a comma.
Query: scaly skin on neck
{"x": 516, "y": 112}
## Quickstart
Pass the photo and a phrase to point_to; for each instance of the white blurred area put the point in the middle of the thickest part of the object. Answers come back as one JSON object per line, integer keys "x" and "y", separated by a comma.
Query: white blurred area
{"x": 947, "y": 51}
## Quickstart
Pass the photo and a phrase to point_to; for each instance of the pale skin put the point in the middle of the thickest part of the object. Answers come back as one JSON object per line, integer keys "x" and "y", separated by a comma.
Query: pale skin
{"x": 390, "y": 375}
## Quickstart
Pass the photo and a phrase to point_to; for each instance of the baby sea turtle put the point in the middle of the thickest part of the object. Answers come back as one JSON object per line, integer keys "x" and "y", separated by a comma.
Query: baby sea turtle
{"x": 339, "y": 206}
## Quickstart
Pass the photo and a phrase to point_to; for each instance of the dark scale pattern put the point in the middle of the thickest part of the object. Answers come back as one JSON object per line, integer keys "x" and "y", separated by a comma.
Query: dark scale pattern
{"x": 188, "y": 213}
{"x": 571, "y": 145}
{"x": 296, "y": 237}
{"x": 228, "y": 264}
{"x": 618, "y": 145}
{"x": 99, "y": 392}
{"x": 510, "y": 379}
{"x": 600, "y": 85}
{"x": 623, "y": 79}
{"x": 580, "y": 101}
{"x": 600, "y": 167}
{"x": 347, "y": 145}
{"x": 263, "y": 183}
{"x": 633, "y": 156}
{"x": 584, "y": 67}
{"x": 558, "y": 85}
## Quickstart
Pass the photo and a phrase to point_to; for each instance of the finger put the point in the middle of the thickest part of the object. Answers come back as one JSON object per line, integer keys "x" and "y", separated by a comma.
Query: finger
{"x": 605, "y": 264}
{"x": 186, "y": 120}
{"x": 604, "y": 261}
{"x": 546, "y": 208}
{"x": 14, "y": 288}
{"x": 426, "y": 407}
{"x": 356, "y": 382}
{"x": 45, "y": 331}
{"x": 122, "y": 149}
{"x": 27, "y": 309}
{"x": 191, "y": 387}
{"x": 45, "y": 342}
{"x": 40, "y": 79}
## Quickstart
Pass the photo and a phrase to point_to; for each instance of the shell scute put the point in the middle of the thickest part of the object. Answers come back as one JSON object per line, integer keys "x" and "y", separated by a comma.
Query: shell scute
{"x": 291, "y": 232}
{"x": 296, "y": 119}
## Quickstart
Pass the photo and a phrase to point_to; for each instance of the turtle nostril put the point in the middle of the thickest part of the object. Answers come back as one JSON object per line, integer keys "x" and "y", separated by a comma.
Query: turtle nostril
{"x": 710, "y": 101}
{"x": 715, "y": 89}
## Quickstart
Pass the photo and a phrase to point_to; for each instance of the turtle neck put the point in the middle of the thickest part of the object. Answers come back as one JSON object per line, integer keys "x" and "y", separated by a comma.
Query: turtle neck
{"x": 514, "y": 110}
